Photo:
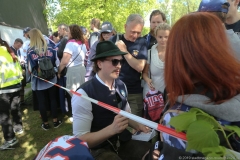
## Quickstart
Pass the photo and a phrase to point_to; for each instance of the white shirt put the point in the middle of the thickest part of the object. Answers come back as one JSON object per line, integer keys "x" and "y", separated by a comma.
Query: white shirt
{"x": 74, "y": 49}
{"x": 25, "y": 47}
{"x": 156, "y": 67}
{"x": 82, "y": 112}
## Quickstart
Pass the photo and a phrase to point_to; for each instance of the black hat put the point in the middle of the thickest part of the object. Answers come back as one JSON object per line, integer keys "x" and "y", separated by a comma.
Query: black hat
{"x": 26, "y": 30}
{"x": 107, "y": 49}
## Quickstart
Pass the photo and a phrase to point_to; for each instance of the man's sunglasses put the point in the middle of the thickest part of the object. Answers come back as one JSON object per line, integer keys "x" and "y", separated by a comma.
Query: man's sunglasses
{"x": 115, "y": 62}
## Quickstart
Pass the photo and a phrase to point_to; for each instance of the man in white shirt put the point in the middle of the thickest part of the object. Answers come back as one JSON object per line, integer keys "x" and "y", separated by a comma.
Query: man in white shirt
{"x": 104, "y": 131}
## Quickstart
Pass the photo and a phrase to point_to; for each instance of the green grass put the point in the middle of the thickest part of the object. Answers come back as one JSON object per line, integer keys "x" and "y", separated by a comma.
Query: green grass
{"x": 34, "y": 137}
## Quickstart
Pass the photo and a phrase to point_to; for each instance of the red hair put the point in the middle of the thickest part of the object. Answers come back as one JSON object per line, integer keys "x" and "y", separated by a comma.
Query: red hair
{"x": 198, "y": 51}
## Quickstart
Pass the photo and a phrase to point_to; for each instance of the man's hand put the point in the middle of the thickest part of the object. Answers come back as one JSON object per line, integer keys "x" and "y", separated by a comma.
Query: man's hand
{"x": 119, "y": 124}
{"x": 121, "y": 45}
{"x": 143, "y": 128}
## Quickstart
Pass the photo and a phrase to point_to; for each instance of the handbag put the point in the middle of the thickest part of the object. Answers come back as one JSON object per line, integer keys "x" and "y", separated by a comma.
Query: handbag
{"x": 153, "y": 103}
{"x": 64, "y": 71}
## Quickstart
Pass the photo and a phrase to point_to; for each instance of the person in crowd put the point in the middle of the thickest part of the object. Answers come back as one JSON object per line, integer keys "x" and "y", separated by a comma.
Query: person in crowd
{"x": 220, "y": 8}
{"x": 55, "y": 37}
{"x": 155, "y": 63}
{"x": 135, "y": 60}
{"x": 95, "y": 27}
{"x": 233, "y": 17}
{"x": 16, "y": 49}
{"x": 156, "y": 17}
{"x": 104, "y": 131}
{"x": 63, "y": 35}
{"x": 9, "y": 96}
{"x": 27, "y": 41}
{"x": 105, "y": 35}
{"x": 193, "y": 79}
{"x": 85, "y": 36}
{"x": 38, "y": 49}
{"x": 73, "y": 58}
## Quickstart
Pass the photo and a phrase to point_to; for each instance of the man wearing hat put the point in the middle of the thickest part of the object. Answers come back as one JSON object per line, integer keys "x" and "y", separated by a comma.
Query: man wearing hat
{"x": 105, "y": 35}
{"x": 104, "y": 131}
{"x": 220, "y": 8}
{"x": 27, "y": 42}
{"x": 233, "y": 16}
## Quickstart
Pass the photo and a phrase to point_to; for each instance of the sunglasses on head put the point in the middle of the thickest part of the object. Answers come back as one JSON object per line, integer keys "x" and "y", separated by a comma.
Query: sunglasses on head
{"x": 115, "y": 62}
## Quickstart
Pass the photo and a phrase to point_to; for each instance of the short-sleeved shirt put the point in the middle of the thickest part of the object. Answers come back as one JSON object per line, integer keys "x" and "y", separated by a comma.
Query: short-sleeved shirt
{"x": 74, "y": 48}
{"x": 235, "y": 27}
{"x": 128, "y": 75}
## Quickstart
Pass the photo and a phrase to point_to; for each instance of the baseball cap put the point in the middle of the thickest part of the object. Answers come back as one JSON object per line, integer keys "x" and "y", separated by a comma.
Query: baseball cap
{"x": 213, "y": 6}
{"x": 106, "y": 27}
{"x": 84, "y": 30}
{"x": 26, "y": 30}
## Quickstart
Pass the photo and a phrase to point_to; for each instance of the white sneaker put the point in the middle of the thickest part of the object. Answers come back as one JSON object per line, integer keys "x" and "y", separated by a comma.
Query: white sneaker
{"x": 9, "y": 144}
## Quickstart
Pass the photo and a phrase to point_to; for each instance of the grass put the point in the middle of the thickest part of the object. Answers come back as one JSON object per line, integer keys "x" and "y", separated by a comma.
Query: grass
{"x": 34, "y": 137}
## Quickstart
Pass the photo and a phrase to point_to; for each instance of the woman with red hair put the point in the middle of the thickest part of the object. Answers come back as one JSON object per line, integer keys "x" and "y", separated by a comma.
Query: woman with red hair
{"x": 200, "y": 72}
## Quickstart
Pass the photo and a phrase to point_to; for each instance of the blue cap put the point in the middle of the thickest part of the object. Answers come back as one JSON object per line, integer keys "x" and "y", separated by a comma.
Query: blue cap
{"x": 84, "y": 30}
{"x": 213, "y": 6}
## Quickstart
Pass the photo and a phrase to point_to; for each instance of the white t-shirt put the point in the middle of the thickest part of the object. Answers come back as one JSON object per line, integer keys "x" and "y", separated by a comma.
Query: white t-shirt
{"x": 25, "y": 47}
{"x": 74, "y": 49}
{"x": 82, "y": 112}
{"x": 157, "y": 71}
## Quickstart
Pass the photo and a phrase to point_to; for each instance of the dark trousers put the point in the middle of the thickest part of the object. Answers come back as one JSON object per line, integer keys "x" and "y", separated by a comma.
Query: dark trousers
{"x": 42, "y": 96}
{"x": 10, "y": 102}
{"x": 62, "y": 93}
{"x": 130, "y": 150}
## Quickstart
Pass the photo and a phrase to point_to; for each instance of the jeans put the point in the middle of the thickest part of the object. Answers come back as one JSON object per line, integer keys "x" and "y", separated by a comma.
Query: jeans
{"x": 130, "y": 150}
{"x": 10, "y": 102}
{"x": 42, "y": 96}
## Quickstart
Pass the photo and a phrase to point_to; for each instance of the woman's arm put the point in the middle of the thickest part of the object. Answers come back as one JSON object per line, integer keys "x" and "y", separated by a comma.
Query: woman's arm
{"x": 146, "y": 78}
{"x": 64, "y": 61}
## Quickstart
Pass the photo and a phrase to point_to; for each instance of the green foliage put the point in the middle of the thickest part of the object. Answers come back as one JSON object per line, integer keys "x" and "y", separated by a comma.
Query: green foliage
{"x": 201, "y": 130}
{"x": 178, "y": 8}
{"x": 81, "y": 12}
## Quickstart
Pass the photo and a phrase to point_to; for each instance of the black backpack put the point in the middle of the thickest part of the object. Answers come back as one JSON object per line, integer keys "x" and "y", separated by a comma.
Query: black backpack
{"x": 46, "y": 68}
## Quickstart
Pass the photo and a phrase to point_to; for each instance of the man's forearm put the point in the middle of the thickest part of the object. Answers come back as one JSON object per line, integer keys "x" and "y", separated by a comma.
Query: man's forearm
{"x": 136, "y": 64}
{"x": 95, "y": 138}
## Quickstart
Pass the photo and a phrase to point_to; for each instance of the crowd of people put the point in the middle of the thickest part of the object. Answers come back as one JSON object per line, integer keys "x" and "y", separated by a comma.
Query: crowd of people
{"x": 194, "y": 64}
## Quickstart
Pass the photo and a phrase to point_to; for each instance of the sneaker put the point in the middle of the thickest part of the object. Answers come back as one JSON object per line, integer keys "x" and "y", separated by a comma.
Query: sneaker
{"x": 9, "y": 144}
{"x": 70, "y": 119}
{"x": 57, "y": 124}
{"x": 45, "y": 126}
{"x": 18, "y": 131}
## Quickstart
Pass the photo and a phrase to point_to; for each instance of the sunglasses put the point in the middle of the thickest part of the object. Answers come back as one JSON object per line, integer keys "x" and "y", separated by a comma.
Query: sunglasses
{"x": 115, "y": 62}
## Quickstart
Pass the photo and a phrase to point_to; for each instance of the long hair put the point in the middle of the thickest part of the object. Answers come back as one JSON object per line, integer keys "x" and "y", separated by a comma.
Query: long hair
{"x": 37, "y": 40}
{"x": 5, "y": 44}
{"x": 76, "y": 33}
{"x": 198, "y": 52}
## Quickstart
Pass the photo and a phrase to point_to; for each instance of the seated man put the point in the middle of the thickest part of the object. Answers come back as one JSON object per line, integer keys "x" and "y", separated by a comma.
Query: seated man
{"x": 104, "y": 131}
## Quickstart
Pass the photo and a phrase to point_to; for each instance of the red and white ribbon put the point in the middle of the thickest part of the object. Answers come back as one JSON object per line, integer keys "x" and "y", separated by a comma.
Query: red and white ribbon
{"x": 133, "y": 117}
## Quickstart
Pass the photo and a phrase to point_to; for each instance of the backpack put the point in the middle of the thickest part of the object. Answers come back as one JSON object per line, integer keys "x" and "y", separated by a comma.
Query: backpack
{"x": 45, "y": 68}
{"x": 93, "y": 38}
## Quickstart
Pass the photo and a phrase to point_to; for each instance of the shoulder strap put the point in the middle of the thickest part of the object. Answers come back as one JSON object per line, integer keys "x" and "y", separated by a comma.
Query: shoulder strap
{"x": 150, "y": 63}
{"x": 75, "y": 57}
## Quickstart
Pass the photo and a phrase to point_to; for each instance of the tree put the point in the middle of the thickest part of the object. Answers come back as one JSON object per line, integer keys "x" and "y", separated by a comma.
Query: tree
{"x": 81, "y": 12}
{"x": 175, "y": 9}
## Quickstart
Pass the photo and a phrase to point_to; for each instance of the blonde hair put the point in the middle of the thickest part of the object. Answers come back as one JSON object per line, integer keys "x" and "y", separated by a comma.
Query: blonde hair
{"x": 162, "y": 26}
{"x": 37, "y": 40}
